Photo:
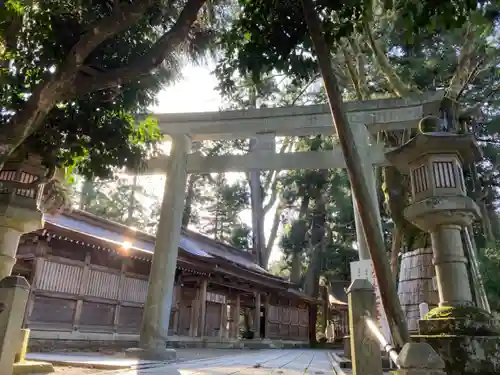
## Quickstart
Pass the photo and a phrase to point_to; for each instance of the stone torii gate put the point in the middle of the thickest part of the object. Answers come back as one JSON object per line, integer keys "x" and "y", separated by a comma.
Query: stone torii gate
{"x": 366, "y": 118}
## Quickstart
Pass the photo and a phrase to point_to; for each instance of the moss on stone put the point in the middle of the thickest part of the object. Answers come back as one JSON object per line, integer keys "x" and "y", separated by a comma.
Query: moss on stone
{"x": 471, "y": 312}
{"x": 461, "y": 320}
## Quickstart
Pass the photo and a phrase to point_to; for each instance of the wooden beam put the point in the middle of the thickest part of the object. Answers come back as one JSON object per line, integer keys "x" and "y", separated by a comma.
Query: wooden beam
{"x": 379, "y": 114}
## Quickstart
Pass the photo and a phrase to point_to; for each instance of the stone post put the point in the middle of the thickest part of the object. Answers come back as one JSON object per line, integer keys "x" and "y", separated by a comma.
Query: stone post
{"x": 419, "y": 358}
{"x": 365, "y": 350}
{"x": 161, "y": 278}
{"x": 14, "y": 291}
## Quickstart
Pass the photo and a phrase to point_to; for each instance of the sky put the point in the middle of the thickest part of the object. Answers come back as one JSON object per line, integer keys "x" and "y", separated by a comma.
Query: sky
{"x": 196, "y": 93}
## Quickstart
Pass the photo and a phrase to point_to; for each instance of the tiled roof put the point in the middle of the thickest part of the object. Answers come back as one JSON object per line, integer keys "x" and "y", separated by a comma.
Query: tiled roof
{"x": 337, "y": 292}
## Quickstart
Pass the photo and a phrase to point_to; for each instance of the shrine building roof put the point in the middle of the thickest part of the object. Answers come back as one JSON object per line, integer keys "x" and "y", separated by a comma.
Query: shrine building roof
{"x": 139, "y": 244}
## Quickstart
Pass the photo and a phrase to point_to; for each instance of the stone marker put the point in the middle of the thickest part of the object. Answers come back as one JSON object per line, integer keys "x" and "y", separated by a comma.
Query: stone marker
{"x": 365, "y": 350}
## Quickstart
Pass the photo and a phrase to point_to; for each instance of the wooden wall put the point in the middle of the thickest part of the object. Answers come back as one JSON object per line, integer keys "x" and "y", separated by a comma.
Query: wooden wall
{"x": 288, "y": 323}
{"x": 77, "y": 288}
{"x": 88, "y": 290}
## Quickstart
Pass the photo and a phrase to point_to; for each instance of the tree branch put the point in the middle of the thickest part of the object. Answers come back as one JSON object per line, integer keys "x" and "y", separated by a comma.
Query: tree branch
{"x": 457, "y": 81}
{"x": 274, "y": 195}
{"x": 395, "y": 82}
{"x": 361, "y": 65}
{"x": 152, "y": 59}
{"x": 353, "y": 74}
{"x": 121, "y": 19}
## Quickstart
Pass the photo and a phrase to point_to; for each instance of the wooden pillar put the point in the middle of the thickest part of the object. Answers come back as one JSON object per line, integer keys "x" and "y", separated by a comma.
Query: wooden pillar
{"x": 290, "y": 318}
{"x": 267, "y": 309}
{"x": 116, "y": 322}
{"x": 176, "y": 307}
{"x": 195, "y": 308}
{"x": 203, "y": 306}
{"x": 81, "y": 293}
{"x": 223, "y": 321}
{"x": 257, "y": 314}
{"x": 236, "y": 316}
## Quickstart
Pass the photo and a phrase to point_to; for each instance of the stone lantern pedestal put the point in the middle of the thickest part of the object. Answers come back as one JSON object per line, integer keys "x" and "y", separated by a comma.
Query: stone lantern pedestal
{"x": 440, "y": 206}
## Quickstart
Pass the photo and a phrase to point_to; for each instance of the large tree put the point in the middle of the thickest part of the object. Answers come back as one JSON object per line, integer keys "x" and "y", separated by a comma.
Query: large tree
{"x": 298, "y": 36}
{"x": 76, "y": 74}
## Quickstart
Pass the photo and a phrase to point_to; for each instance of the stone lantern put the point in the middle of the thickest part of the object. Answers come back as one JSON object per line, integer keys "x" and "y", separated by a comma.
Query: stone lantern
{"x": 21, "y": 187}
{"x": 464, "y": 335}
{"x": 440, "y": 204}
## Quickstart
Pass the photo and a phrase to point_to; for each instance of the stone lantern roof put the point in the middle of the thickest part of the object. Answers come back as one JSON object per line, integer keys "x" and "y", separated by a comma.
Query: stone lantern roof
{"x": 463, "y": 145}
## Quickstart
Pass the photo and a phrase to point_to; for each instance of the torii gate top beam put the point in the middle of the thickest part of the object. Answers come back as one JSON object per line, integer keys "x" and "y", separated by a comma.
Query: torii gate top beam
{"x": 379, "y": 114}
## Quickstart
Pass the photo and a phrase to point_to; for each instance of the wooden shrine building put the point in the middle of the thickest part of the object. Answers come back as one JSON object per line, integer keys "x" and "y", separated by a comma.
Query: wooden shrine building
{"x": 89, "y": 280}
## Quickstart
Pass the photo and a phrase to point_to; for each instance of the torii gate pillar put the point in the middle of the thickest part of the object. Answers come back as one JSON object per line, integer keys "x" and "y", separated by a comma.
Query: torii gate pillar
{"x": 158, "y": 305}
{"x": 364, "y": 140}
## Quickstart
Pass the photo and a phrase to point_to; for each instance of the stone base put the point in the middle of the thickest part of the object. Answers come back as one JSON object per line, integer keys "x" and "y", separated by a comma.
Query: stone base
{"x": 159, "y": 354}
{"x": 466, "y": 355}
{"x": 23, "y": 346}
{"x": 32, "y": 367}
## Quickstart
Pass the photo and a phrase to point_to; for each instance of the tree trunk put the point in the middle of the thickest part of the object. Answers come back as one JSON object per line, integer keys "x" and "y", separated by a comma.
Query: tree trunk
{"x": 188, "y": 205}
{"x": 374, "y": 239}
{"x": 314, "y": 269}
{"x": 296, "y": 271}
{"x": 273, "y": 234}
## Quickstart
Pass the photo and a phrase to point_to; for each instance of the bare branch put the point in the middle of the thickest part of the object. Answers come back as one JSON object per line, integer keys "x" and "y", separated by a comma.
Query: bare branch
{"x": 151, "y": 59}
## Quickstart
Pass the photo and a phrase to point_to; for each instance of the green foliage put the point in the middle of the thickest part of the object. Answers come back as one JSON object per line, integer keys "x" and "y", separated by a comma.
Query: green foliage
{"x": 490, "y": 270}
{"x": 223, "y": 207}
{"x": 122, "y": 201}
{"x": 241, "y": 236}
{"x": 95, "y": 132}
{"x": 269, "y": 36}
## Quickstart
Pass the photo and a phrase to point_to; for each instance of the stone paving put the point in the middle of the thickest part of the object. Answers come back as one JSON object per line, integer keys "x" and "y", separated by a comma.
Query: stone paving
{"x": 264, "y": 362}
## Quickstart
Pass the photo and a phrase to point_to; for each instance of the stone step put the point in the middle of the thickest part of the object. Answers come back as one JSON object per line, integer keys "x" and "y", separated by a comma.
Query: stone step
{"x": 346, "y": 363}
